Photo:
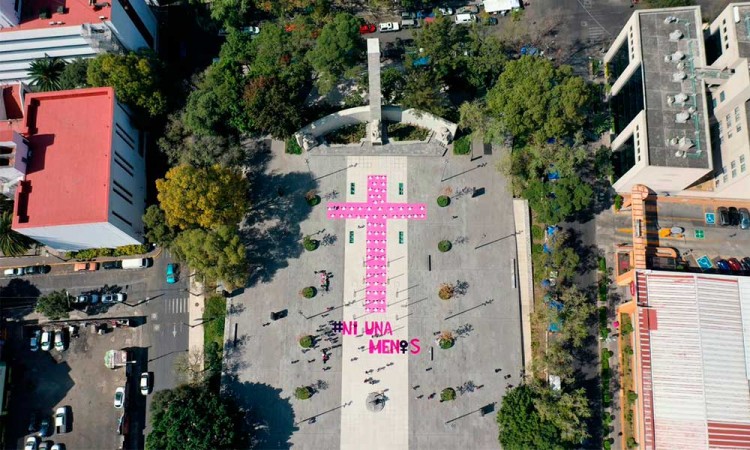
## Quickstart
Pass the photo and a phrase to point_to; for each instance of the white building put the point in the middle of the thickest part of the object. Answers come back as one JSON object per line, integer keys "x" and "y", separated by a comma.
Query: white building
{"x": 501, "y": 6}
{"x": 679, "y": 98}
{"x": 34, "y": 29}
{"x": 84, "y": 180}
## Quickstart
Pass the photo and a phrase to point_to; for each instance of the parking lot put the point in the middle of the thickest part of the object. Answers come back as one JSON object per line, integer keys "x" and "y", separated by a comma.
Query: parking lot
{"x": 41, "y": 381}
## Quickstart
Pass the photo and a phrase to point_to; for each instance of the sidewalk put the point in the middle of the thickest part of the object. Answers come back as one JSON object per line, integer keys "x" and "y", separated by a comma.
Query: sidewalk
{"x": 53, "y": 258}
{"x": 521, "y": 215}
{"x": 196, "y": 304}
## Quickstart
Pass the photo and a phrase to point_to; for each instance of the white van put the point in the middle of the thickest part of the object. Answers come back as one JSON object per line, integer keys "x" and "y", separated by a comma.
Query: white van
{"x": 465, "y": 18}
{"x": 410, "y": 23}
{"x": 136, "y": 263}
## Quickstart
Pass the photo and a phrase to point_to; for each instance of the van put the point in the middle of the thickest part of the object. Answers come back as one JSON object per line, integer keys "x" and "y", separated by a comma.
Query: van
{"x": 465, "y": 18}
{"x": 409, "y": 23}
{"x": 137, "y": 263}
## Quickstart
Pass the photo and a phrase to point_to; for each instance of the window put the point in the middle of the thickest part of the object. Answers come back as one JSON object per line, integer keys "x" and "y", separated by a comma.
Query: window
{"x": 351, "y": 237}
{"x": 400, "y": 237}
{"x": 351, "y": 188}
{"x": 401, "y": 189}
{"x": 722, "y": 96}
{"x": 743, "y": 167}
{"x": 733, "y": 164}
{"x": 724, "y": 170}
{"x": 713, "y": 102}
{"x": 734, "y": 173}
{"x": 737, "y": 114}
{"x": 725, "y": 178}
{"x": 739, "y": 128}
{"x": 729, "y": 121}
{"x": 729, "y": 134}
{"x": 742, "y": 158}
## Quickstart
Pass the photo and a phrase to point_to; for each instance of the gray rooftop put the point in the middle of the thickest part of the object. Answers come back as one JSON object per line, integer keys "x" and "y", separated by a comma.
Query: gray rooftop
{"x": 658, "y": 82}
{"x": 743, "y": 31}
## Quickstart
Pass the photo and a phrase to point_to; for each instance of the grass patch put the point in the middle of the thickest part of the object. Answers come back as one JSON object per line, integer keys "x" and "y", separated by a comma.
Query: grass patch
{"x": 214, "y": 313}
{"x": 462, "y": 145}
{"x": 292, "y": 147}
{"x": 349, "y": 134}
{"x": 406, "y": 132}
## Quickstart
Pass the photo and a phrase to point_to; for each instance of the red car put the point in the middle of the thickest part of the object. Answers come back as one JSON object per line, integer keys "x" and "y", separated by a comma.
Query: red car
{"x": 735, "y": 265}
{"x": 367, "y": 28}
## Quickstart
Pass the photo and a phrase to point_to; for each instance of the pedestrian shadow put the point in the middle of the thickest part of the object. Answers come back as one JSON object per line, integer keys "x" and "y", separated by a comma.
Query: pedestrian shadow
{"x": 269, "y": 416}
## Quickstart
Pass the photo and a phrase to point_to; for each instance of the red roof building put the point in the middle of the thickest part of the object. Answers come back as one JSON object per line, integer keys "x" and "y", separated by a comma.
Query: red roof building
{"x": 84, "y": 184}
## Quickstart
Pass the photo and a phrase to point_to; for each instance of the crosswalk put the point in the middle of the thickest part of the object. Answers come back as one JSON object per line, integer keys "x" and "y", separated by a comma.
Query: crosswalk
{"x": 176, "y": 305}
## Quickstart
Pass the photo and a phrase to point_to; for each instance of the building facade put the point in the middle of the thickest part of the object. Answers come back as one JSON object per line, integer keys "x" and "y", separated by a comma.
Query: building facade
{"x": 83, "y": 182}
{"x": 35, "y": 29}
{"x": 679, "y": 98}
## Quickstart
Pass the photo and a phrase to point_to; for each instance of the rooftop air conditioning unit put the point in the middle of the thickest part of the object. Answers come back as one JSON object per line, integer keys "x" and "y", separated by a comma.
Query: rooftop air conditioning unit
{"x": 685, "y": 143}
{"x": 675, "y": 36}
{"x": 678, "y": 55}
{"x": 678, "y": 76}
{"x": 680, "y": 153}
{"x": 670, "y": 99}
{"x": 682, "y": 117}
{"x": 671, "y": 19}
{"x": 681, "y": 97}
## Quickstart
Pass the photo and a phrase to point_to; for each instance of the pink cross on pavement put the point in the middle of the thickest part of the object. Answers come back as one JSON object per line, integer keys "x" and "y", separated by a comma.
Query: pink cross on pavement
{"x": 377, "y": 211}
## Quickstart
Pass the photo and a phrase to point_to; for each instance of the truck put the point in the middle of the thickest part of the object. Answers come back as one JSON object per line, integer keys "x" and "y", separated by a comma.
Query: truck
{"x": 136, "y": 263}
{"x": 61, "y": 420}
{"x": 386, "y": 27}
{"x": 115, "y": 358}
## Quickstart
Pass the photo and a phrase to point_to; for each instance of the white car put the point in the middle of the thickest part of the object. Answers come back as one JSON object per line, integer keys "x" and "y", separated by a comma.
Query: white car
{"x": 15, "y": 272}
{"x": 46, "y": 340}
{"x": 113, "y": 298}
{"x": 446, "y": 11}
{"x": 59, "y": 340}
{"x": 61, "y": 420}
{"x": 145, "y": 383}
{"x": 388, "y": 26}
{"x": 32, "y": 443}
{"x": 119, "y": 397}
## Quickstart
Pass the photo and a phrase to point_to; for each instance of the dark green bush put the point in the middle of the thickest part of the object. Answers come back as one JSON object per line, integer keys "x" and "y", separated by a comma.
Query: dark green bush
{"x": 292, "y": 147}
{"x": 443, "y": 201}
{"x": 462, "y": 145}
{"x": 444, "y": 245}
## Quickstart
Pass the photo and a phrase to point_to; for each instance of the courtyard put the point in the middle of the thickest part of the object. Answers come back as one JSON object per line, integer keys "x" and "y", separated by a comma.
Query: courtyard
{"x": 265, "y": 362}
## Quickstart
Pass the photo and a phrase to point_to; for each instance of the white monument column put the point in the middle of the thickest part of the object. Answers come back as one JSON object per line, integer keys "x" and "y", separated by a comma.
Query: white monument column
{"x": 373, "y": 69}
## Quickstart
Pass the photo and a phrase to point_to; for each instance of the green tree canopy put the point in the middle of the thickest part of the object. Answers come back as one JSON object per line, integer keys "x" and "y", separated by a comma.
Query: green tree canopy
{"x": 521, "y": 426}
{"x": 535, "y": 100}
{"x": 214, "y": 107}
{"x": 135, "y": 76}
{"x": 576, "y": 316}
{"x": 566, "y": 411}
{"x": 272, "y": 107}
{"x": 75, "y": 74}
{"x": 423, "y": 92}
{"x": 202, "y": 197}
{"x": 45, "y": 73}
{"x": 157, "y": 230}
{"x": 393, "y": 85}
{"x": 217, "y": 255}
{"x": 12, "y": 243}
{"x": 54, "y": 305}
{"x": 442, "y": 42}
{"x": 192, "y": 416}
{"x": 183, "y": 146}
{"x": 338, "y": 49}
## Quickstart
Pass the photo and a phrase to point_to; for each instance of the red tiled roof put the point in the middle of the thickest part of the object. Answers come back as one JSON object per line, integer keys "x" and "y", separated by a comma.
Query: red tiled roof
{"x": 77, "y": 12}
{"x": 729, "y": 435}
{"x": 68, "y": 176}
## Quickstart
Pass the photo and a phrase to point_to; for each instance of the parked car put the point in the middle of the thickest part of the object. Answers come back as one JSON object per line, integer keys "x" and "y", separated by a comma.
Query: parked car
{"x": 491, "y": 21}
{"x": 36, "y": 270}
{"x": 472, "y": 9}
{"x": 35, "y": 337}
{"x": 410, "y": 23}
{"x": 734, "y": 264}
{"x": 14, "y": 272}
{"x": 408, "y": 15}
{"x": 145, "y": 383}
{"x": 46, "y": 341}
{"x": 171, "y": 273}
{"x": 119, "y": 397}
{"x": 45, "y": 445}
{"x": 87, "y": 266}
{"x": 32, "y": 443}
{"x": 45, "y": 428}
{"x": 118, "y": 297}
{"x": 60, "y": 341}
{"x": 58, "y": 447}
{"x": 734, "y": 216}
{"x": 367, "y": 28}
{"x": 723, "y": 265}
{"x": 61, "y": 420}
{"x": 465, "y": 18}
{"x": 722, "y": 216}
{"x": 109, "y": 265}
{"x": 386, "y": 27}
{"x": 86, "y": 299}
{"x": 744, "y": 218}
{"x": 745, "y": 262}
{"x": 446, "y": 11}
{"x": 250, "y": 30}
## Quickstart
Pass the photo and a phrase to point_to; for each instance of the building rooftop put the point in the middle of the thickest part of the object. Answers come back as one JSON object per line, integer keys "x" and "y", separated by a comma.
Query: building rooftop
{"x": 743, "y": 29}
{"x": 693, "y": 348}
{"x": 657, "y": 43}
{"x": 76, "y": 12}
{"x": 68, "y": 176}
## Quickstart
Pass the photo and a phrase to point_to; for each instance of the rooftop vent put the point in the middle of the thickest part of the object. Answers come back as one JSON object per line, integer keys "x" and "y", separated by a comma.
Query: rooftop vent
{"x": 682, "y": 117}
{"x": 681, "y": 98}
{"x": 680, "y": 154}
{"x": 675, "y": 36}
{"x": 678, "y": 76}
{"x": 685, "y": 143}
{"x": 671, "y": 19}
{"x": 676, "y": 56}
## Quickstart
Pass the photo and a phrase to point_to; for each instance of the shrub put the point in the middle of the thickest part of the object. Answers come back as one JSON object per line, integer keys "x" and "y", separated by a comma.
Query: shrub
{"x": 292, "y": 147}
{"x": 306, "y": 341}
{"x": 308, "y": 292}
{"x": 446, "y": 291}
{"x": 602, "y": 264}
{"x": 406, "y": 132}
{"x": 606, "y": 445}
{"x": 626, "y": 327}
{"x": 605, "y": 359}
{"x": 629, "y": 416}
{"x": 606, "y": 398}
{"x": 446, "y": 343}
{"x": 537, "y": 233}
{"x": 632, "y": 443}
{"x": 129, "y": 250}
{"x": 443, "y": 201}
{"x": 447, "y": 395}
{"x": 302, "y": 393}
{"x": 632, "y": 397}
{"x": 462, "y": 145}
{"x": 628, "y": 350}
{"x": 444, "y": 245}
{"x": 312, "y": 198}
{"x": 618, "y": 202}
{"x": 310, "y": 244}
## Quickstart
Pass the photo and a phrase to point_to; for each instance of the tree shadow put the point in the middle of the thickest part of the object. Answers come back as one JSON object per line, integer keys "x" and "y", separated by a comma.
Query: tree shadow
{"x": 328, "y": 239}
{"x": 18, "y": 298}
{"x": 269, "y": 416}
{"x": 271, "y": 229}
{"x": 461, "y": 287}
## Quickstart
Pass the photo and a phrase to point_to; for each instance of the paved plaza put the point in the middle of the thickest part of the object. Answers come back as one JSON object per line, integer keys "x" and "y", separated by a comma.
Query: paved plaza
{"x": 265, "y": 363}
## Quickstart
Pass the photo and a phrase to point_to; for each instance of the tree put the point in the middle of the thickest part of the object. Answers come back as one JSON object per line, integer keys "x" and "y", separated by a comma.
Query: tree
{"x": 190, "y": 365}
{"x": 473, "y": 116}
{"x": 183, "y": 146}
{"x": 562, "y": 258}
{"x": 486, "y": 59}
{"x": 195, "y": 417}
{"x": 537, "y": 101}
{"x": 273, "y": 107}
{"x": 74, "y": 75}
{"x": 12, "y": 243}
{"x": 135, "y": 77}
{"x": 231, "y": 13}
{"x": 214, "y": 107}
{"x": 45, "y": 73}
{"x": 441, "y": 42}
{"x": 204, "y": 197}
{"x": 423, "y": 92}
{"x": 157, "y": 230}
{"x": 338, "y": 48}
{"x": 521, "y": 426}
{"x": 576, "y": 315}
{"x": 566, "y": 411}
{"x": 218, "y": 255}
{"x": 393, "y": 85}
{"x": 54, "y": 305}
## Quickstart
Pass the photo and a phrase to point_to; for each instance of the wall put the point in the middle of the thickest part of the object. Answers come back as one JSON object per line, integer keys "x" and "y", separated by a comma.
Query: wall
{"x": 8, "y": 15}
{"x": 77, "y": 237}
{"x": 125, "y": 29}
{"x": 660, "y": 179}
